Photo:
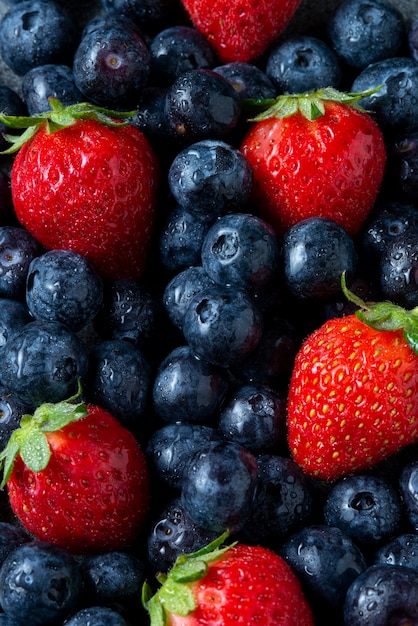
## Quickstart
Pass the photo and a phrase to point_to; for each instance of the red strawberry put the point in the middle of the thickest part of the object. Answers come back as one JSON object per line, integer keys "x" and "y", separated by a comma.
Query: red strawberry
{"x": 315, "y": 155}
{"x": 353, "y": 396}
{"x": 77, "y": 478}
{"x": 230, "y": 586}
{"x": 240, "y": 30}
{"x": 86, "y": 182}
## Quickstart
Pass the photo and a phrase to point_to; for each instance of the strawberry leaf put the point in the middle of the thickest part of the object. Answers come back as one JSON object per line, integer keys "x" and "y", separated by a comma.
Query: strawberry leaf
{"x": 35, "y": 451}
{"x": 52, "y": 417}
{"x": 7, "y": 457}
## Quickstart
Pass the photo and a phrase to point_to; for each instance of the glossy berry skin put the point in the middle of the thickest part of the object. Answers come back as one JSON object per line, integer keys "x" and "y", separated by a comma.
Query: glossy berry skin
{"x": 11, "y": 536}
{"x": 363, "y": 32}
{"x": 12, "y": 104}
{"x": 240, "y": 31}
{"x": 366, "y": 508}
{"x": 401, "y": 550}
{"x": 47, "y": 80}
{"x": 11, "y": 411}
{"x": 341, "y": 153}
{"x": 91, "y": 189}
{"x": 303, "y": 63}
{"x": 142, "y": 12}
{"x": 14, "y": 315}
{"x": 408, "y": 483}
{"x": 17, "y": 249}
{"x": 398, "y": 267}
{"x": 40, "y": 583}
{"x": 413, "y": 39}
{"x": 404, "y": 155}
{"x": 335, "y": 427}
{"x": 380, "y": 593}
{"x": 248, "y": 80}
{"x": 96, "y": 616}
{"x": 97, "y": 463}
{"x": 180, "y": 291}
{"x": 316, "y": 251}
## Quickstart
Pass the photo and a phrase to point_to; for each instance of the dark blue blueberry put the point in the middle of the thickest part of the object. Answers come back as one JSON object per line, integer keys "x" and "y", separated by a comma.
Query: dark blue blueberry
{"x": 401, "y": 550}
{"x": 404, "y": 163}
{"x": 413, "y": 39}
{"x": 248, "y": 80}
{"x": 128, "y": 312}
{"x": 188, "y": 389}
{"x": 118, "y": 380}
{"x": 150, "y": 116}
{"x": 96, "y": 616}
{"x": 45, "y": 81}
{"x": 326, "y": 562}
{"x": 254, "y": 416}
{"x": 382, "y": 595}
{"x": 7, "y": 621}
{"x": 241, "y": 250}
{"x": 18, "y": 248}
{"x": 180, "y": 291}
{"x": 282, "y": 502}
{"x": 14, "y": 315}
{"x": 36, "y": 32}
{"x": 201, "y": 104}
{"x": 222, "y": 325}
{"x": 174, "y": 533}
{"x": 43, "y": 363}
{"x": 399, "y": 271}
{"x": 366, "y": 31}
{"x": 394, "y": 105}
{"x": 147, "y": 13}
{"x": 408, "y": 482}
{"x": 170, "y": 448}
{"x": 181, "y": 238}
{"x": 10, "y": 104}
{"x": 218, "y": 486}
{"x": 210, "y": 178}
{"x": 11, "y": 536}
{"x": 303, "y": 63}
{"x": 40, "y": 584}
{"x": 63, "y": 286}
{"x": 366, "y": 508}
{"x": 316, "y": 251}
{"x": 177, "y": 50}
{"x": 111, "y": 66}
{"x": 365, "y": 287}
{"x": 12, "y": 410}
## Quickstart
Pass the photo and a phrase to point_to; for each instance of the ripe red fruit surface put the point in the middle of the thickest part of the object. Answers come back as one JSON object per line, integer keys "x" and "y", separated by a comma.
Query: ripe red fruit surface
{"x": 328, "y": 165}
{"x": 240, "y": 30}
{"x": 93, "y": 495}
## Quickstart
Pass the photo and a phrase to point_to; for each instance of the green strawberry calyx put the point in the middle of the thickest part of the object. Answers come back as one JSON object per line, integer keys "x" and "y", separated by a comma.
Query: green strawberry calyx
{"x": 29, "y": 439}
{"x": 386, "y": 316}
{"x": 58, "y": 117}
{"x": 175, "y": 596}
{"x": 310, "y": 104}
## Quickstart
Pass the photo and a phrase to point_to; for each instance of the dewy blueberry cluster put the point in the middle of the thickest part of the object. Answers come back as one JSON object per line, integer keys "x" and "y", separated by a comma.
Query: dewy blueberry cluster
{"x": 209, "y": 313}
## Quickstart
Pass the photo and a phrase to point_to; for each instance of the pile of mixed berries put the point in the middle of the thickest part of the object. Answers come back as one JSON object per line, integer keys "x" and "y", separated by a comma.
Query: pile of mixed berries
{"x": 208, "y": 315}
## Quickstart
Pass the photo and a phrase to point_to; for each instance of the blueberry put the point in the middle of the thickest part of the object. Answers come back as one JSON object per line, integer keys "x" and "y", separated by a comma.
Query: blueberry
{"x": 254, "y": 416}
{"x": 18, "y": 248}
{"x": 218, "y": 486}
{"x": 201, "y": 104}
{"x": 248, "y": 80}
{"x": 382, "y": 594}
{"x": 111, "y": 66}
{"x": 11, "y": 536}
{"x": 326, "y": 562}
{"x": 401, "y": 550}
{"x": 404, "y": 161}
{"x": 316, "y": 251}
{"x": 149, "y": 13}
{"x": 188, "y": 389}
{"x": 303, "y": 63}
{"x": 63, "y": 286}
{"x": 180, "y": 291}
{"x": 242, "y": 250}
{"x": 173, "y": 533}
{"x": 210, "y": 178}
{"x": 222, "y": 325}
{"x": 43, "y": 363}
{"x": 408, "y": 482}
{"x": 177, "y": 50}
{"x": 282, "y": 502}
{"x": 14, "y": 315}
{"x": 96, "y": 616}
{"x": 366, "y": 508}
{"x": 394, "y": 104}
{"x": 399, "y": 271}
{"x": 10, "y": 104}
{"x": 366, "y": 31}
{"x": 36, "y": 32}
{"x": 170, "y": 448}
{"x": 181, "y": 238}
{"x": 413, "y": 39}
{"x": 150, "y": 116}
{"x": 118, "y": 379}
{"x": 39, "y": 584}
{"x": 50, "y": 80}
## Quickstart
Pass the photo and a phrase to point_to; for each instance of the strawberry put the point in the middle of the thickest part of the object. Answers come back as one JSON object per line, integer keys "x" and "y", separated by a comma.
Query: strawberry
{"x": 240, "y": 30}
{"x": 353, "y": 395}
{"x": 316, "y": 154}
{"x": 77, "y": 478}
{"x": 85, "y": 180}
{"x": 228, "y": 585}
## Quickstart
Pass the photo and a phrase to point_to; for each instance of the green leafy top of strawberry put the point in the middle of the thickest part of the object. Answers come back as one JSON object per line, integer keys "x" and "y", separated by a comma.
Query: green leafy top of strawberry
{"x": 58, "y": 117}
{"x": 310, "y": 104}
{"x": 29, "y": 439}
{"x": 175, "y": 595}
